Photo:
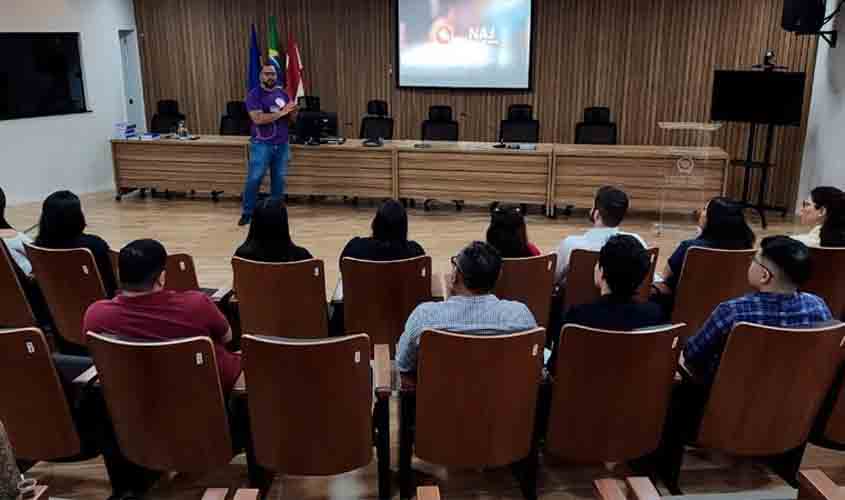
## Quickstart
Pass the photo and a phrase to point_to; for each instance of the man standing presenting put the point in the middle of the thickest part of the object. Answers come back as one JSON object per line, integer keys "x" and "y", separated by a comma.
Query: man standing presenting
{"x": 271, "y": 111}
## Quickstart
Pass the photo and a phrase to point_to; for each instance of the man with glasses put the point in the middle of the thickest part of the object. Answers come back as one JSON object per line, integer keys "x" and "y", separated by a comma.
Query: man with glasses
{"x": 780, "y": 266}
{"x": 470, "y": 306}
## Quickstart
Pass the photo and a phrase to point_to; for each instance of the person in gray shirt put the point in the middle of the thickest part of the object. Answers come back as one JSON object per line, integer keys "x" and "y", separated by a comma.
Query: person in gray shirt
{"x": 470, "y": 306}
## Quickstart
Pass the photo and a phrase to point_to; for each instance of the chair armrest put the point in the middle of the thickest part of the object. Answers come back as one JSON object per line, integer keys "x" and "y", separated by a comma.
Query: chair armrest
{"x": 240, "y": 384}
{"x": 381, "y": 370}
{"x": 815, "y": 485}
{"x": 608, "y": 489}
{"x": 246, "y": 495}
{"x": 215, "y": 494}
{"x": 221, "y": 294}
{"x": 86, "y": 377}
{"x": 642, "y": 488}
{"x": 428, "y": 493}
{"x": 40, "y": 492}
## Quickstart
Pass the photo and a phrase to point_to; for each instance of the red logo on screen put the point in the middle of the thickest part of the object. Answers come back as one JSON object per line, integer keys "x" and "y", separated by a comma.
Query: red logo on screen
{"x": 444, "y": 35}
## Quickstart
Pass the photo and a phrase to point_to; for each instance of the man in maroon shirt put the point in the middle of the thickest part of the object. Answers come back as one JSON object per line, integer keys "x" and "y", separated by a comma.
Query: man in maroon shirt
{"x": 144, "y": 310}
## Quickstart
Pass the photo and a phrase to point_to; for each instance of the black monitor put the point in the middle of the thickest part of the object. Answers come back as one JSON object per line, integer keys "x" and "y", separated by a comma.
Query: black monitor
{"x": 311, "y": 126}
{"x": 764, "y": 97}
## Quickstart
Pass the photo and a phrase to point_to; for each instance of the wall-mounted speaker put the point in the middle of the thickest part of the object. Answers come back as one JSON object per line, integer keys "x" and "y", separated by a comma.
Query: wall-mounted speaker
{"x": 803, "y": 16}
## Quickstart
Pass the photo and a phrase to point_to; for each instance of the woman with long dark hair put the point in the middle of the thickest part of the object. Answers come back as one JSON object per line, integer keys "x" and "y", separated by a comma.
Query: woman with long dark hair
{"x": 723, "y": 226}
{"x": 62, "y": 226}
{"x": 389, "y": 240}
{"x": 508, "y": 234}
{"x": 14, "y": 240}
{"x": 824, "y": 210}
{"x": 269, "y": 235}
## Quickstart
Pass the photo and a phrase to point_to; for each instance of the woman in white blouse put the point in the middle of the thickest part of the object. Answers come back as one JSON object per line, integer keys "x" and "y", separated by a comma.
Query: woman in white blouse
{"x": 13, "y": 239}
{"x": 824, "y": 211}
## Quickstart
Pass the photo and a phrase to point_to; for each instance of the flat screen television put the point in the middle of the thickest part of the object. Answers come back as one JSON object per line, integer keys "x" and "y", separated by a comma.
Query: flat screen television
{"x": 764, "y": 97}
{"x": 40, "y": 75}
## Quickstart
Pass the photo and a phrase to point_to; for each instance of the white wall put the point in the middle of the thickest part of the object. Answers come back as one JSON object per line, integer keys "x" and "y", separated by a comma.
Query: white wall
{"x": 824, "y": 150}
{"x": 41, "y": 155}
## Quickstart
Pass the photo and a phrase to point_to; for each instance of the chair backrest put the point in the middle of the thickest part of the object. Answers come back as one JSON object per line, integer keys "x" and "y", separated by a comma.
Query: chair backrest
{"x": 827, "y": 279}
{"x": 168, "y": 107}
{"x": 181, "y": 273}
{"x": 611, "y": 392}
{"x": 307, "y": 420}
{"x": 281, "y": 299}
{"x": 165, "y": 124}
{"x": 70, "y": 282}
{"x": 236, "y": 109}
{"x": 769, "y": 387}
{"x": 375, "y": 127}
{"x": 35, "y": 410}
{"x": 377, "y": 108}
{"x": 440, "y": 131}
{"x": 531, "y": 281}
{"x": 597, "y": 114}
{"x": 230, "y": 125}
{"x": 146, "y": 387}
{"x": 469, "y": 413}
{"x": 520, "y": 112}
{"x": 596, "y": 133}
{"x": 580, "y": 278}
{"x": 697, "y": 295}
{"x": 379, "y": 296}
{"x": 520, "y": 131}
{"x": 309, "y": 103}
{"x": 16, "y": 312}
{"x": 440, "y": 113}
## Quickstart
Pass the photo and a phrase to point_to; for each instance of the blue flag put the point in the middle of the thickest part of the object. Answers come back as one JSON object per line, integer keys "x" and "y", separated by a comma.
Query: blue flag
{"x": 254, "y": 70}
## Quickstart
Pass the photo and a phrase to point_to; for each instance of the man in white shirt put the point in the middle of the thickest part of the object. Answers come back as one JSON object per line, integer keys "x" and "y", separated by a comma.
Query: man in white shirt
{"x": 609, "y": 208}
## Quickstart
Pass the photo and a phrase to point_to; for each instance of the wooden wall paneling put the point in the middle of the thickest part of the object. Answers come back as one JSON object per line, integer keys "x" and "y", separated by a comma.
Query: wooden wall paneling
{"x": 649, "y": 60}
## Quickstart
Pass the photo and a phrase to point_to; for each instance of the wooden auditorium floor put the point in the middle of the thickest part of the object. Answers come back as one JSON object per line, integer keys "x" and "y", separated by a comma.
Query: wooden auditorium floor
{"x": 208, "y": 231}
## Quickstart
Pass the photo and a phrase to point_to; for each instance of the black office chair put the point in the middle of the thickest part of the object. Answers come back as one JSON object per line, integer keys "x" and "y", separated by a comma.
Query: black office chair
{"x": 596, "y": 127}
{"x": 377, "y": 124}
{"x": 309, "y": 103}
{"x": 236, "y": 121}
{"x": 520, "y": 125}
{"x": 167, "y": 117}
{"x": 440, "y": 126}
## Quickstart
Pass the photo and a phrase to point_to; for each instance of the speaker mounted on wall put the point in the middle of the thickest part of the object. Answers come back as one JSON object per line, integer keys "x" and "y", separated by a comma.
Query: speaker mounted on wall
{"x": 807, "y": 17}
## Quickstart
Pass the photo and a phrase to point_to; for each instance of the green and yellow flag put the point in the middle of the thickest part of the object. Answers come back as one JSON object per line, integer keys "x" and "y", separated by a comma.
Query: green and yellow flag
{"x": 273, "y": 55}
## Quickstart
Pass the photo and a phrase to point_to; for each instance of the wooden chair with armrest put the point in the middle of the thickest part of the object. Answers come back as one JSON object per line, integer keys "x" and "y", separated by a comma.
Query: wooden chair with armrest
{"x": 580, "y": 278}
{"x": 379, "y": 296}
{"x": 281, "y": 300}
{"x": 611, "y": 393}
{"x": 36, "y": 415}
{"x": 531, "y": 281}
{"x": 827, "y": 278}
{"x": 816, "y": 485}
{"x": 708, "y": 278}
{"x": 146, "y": 385}
{"x": 766, "y": 394}
{"x": 15, "y": 311}
{"x": 466, "y": 413}
{"x": 70, "y": 282}
{"x": 307, "y": 420}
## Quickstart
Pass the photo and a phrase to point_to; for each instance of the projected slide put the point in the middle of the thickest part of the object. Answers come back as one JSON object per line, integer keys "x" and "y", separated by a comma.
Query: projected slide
{"x": 464, "y": 43}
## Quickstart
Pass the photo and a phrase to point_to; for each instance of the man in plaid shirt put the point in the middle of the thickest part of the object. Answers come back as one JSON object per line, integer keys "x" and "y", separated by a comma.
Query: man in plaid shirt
{"x": 781, "y": 265}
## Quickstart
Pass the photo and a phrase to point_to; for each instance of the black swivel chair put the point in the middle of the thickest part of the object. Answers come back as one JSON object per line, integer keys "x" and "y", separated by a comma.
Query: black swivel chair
{"x": 309, "y": 103}
{"x": 596, "y": 127}
{"x": 236, "y": 121}
{"x": 440, "y": 126}
{"x": 167, "y": 117}
{"x": 520, "y": 125}
{"x": 377, "y": 124}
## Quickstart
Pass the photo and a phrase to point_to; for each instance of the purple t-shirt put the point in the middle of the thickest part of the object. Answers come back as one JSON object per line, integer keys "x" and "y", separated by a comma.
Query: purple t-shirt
{"x": 268, "y": 101}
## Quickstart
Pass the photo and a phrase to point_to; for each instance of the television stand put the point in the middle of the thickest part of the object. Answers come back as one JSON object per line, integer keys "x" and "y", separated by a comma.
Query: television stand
{"x": 761, "y": 207}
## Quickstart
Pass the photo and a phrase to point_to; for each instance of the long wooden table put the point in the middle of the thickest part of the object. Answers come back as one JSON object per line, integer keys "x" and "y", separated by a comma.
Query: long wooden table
{"x": 549, "y": 174}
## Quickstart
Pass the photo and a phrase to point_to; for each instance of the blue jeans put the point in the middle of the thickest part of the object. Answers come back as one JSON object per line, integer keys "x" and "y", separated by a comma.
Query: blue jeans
{"x": 262, "y": 156}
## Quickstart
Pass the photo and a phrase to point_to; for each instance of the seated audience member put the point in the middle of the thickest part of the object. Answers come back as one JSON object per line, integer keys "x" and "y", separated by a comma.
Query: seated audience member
{"x": 14, "y": 240}
{"x": 389, "y": 240}
{"x": 825, "y": 211}
{"x": 723, "y": 226}
{"x": 609, "y": 209}
{"x": 269, "y": 235}
{"x": 470, "y": 306}
{"x": 62, "y": 226}
{"x": 777, "y": 271}
{"x": 507, "y": 234}
{"x": 144, "y": 310}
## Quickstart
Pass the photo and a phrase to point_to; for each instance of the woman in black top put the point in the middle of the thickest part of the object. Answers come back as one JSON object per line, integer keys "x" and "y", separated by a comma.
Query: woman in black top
{"x": 389, "y": 240}
{"x": 62, "y": 226}
{"x": 269, "y": 236}
{"x": 507, "y": 233}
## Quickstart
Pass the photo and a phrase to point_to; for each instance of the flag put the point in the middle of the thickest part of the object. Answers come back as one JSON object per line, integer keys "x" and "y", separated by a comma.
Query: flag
{"x": 295, "y": 71}
{"x": 273, "y": 55}
{"x": 254, "y": 69}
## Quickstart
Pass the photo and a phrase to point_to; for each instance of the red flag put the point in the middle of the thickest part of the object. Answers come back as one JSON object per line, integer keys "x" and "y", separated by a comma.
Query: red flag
{"x": 295, "y": 71}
